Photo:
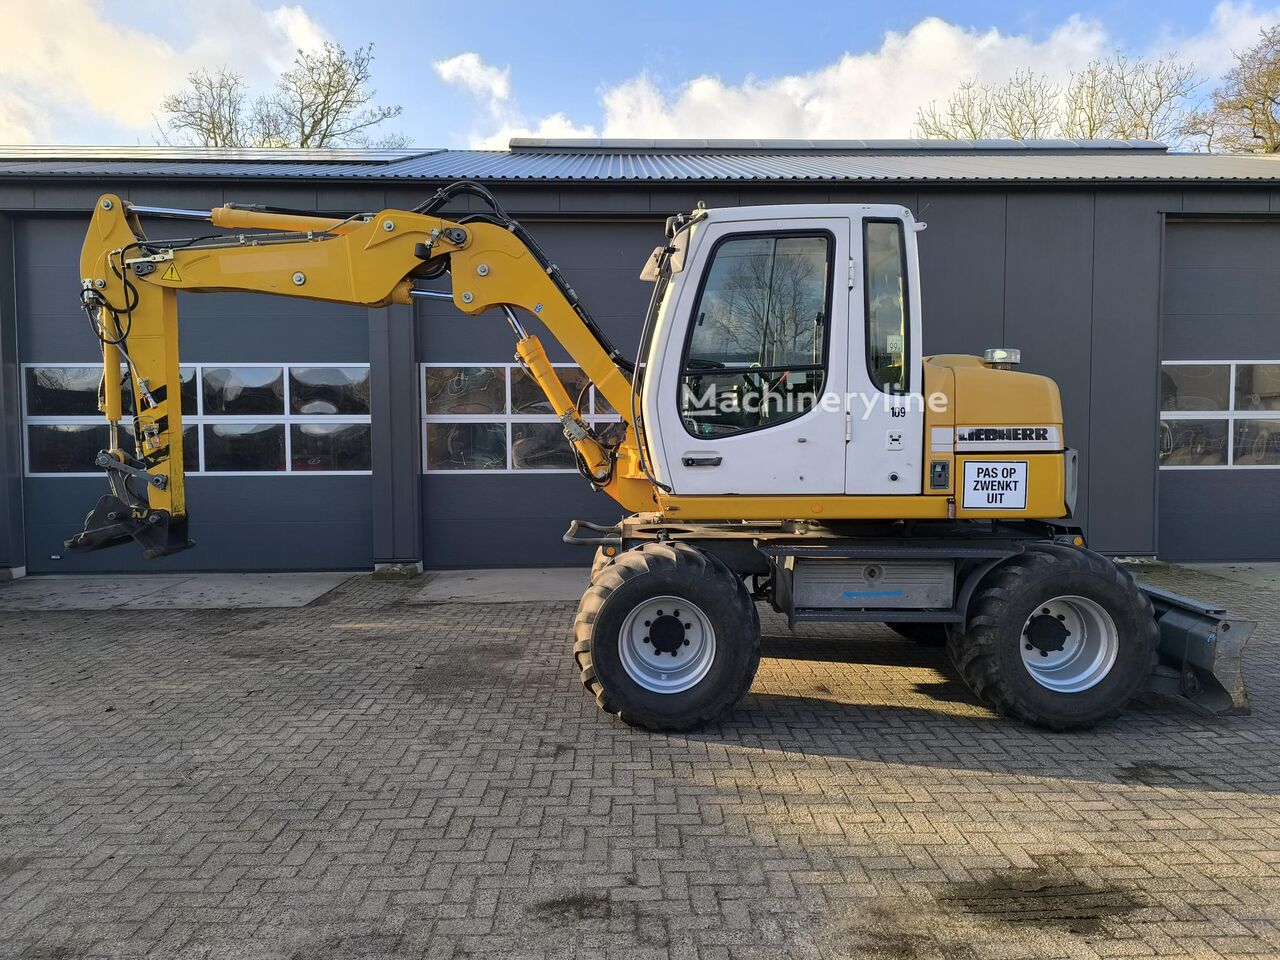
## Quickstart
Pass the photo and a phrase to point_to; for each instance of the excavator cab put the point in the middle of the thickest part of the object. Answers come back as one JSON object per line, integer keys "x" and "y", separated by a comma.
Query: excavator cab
{"x": 783, "y": 327}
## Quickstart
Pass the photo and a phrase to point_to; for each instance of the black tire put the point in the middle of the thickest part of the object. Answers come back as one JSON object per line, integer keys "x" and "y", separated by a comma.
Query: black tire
{"x": 600, "y": 561}
{"x": 925, "y": 634}
{"x": 657, "y": 570}
{"x": 988, "y": 652}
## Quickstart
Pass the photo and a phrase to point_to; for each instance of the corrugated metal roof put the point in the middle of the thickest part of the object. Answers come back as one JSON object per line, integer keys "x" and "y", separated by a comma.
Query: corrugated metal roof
{"x": 558, "y": 161}
{"x": 827, "y": 146}
{"x": 254, "y": 154}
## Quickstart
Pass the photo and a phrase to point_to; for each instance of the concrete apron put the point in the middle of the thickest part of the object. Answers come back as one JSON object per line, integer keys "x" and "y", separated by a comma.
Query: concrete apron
{"x": 209, "y": 591}
{"x": 203, "y": 591}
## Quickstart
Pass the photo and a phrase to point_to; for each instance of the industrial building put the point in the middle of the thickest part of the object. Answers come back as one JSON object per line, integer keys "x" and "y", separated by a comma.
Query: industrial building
{"x": 327, "y": 437}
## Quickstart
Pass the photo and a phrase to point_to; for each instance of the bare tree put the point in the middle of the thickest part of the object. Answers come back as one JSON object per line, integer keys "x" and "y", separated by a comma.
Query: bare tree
{"x": 1152, "y": 98}
{"x": 967, "y": 115}
{"x": 1117, "y": 98}
{"x": 323, "y": 100}
{"x": 211, "y": 110}
{"x": 1089, "y": 105}
{"x": 1026, "y": 107}
{"x": 1244, "y": 112}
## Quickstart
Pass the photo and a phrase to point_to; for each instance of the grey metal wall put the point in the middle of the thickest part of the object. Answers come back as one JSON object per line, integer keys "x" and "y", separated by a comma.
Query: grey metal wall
{"x": 289, "y": 521}
{"x": 1070, "y": 275}
{"x": 1221, "y": 302}
{"x": 13, "y": 552}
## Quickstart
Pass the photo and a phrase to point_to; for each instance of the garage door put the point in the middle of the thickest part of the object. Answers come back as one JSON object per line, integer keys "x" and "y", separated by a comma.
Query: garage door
{"x": 1220, "y": 392}
{"x": 499, "y": 485}
{"x": 277, "y": 423}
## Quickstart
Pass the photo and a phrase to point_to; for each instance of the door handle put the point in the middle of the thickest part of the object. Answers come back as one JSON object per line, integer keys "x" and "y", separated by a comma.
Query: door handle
{"x": 712, "y": 461}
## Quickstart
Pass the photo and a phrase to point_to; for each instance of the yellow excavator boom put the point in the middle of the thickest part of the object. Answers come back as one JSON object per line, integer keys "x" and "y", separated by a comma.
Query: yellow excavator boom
{"x": 130, "y": 284}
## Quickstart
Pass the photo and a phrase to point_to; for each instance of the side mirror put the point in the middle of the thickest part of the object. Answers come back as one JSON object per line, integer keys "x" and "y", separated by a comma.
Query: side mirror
{"x": 650, "y": 272}
{"x": 679, "y": 248}
{"x": 674, "y": 255}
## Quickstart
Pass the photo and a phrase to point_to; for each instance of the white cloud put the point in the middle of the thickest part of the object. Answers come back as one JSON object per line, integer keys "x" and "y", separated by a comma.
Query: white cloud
{"x": 491, "y": 88}
{"x": 871, "y": 94}
{"x": 1232, "y": 27}
{"x": 19, "y": 122}
{"x": 478, "y": 78}
{"x": 76, "y": 64}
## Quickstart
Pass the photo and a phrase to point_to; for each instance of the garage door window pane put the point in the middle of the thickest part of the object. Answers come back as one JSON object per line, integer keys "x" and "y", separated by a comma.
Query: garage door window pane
{"x": 540, "y": 446}
{"x": 527, "y": 397}
{"x": 466, "y": 446}
{"x": 190, "y": 448}
{"x": 1188, "y": 443}
{"x": 248, "y": 447}
{"x": 329, "y": 390}
{"x": 466, "y": 390}
{"x": 601, "y": 404}
{"x": 243, "y": 390}
{"x": 65, "y": 447}
{"x": 330, "y": 446}
{"x": 188, "y": 377}
{"x": 1258, "y": 386}
{"x": 1195, "y": 386}
{"x": 610, "y": 432}
{"x": 62, "y": 391}
{"x": 1257, "y": 442}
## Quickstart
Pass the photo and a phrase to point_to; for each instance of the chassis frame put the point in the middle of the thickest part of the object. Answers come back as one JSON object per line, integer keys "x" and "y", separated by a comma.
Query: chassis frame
{"x": 1199, "y": 654}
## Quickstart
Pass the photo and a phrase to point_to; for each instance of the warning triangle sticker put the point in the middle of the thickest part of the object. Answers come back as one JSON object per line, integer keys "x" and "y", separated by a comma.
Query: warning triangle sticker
{"x": 171, "y": 273}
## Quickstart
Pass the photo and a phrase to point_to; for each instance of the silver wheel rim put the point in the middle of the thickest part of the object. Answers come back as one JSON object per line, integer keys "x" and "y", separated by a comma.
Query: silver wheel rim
{"x": 1069, "y": 644}
{"x": 667, "y": 644}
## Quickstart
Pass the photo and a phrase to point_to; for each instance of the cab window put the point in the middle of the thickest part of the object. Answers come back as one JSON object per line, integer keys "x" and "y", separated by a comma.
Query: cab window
{"x": 885, "y": 256}
{"x": 756, "y": 349}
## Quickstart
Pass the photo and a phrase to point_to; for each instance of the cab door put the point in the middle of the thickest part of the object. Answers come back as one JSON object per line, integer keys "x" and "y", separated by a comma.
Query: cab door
{"x": 885, "y": 431}
{"x": 753, "y": 361}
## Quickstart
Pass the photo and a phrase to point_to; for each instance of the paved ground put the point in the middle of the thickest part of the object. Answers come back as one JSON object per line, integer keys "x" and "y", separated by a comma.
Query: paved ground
{"x": 167, "y": 591}
{"x": 368, "y": 776}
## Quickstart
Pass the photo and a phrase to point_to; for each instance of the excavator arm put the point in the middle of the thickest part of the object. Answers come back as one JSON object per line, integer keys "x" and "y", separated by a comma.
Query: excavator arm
{"x": 130, "y": 286}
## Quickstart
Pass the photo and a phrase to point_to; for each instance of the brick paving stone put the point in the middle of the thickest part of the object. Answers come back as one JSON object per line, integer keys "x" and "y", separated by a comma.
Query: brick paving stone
{"x": 369, "y": 777}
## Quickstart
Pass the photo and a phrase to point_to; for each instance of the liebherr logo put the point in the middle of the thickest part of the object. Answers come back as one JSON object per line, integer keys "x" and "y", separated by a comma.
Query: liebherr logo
{"x": 1001, "y": 434}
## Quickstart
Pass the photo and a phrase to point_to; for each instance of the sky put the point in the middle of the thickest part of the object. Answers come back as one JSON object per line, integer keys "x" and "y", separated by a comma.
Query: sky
{"x": 474, "y": 75}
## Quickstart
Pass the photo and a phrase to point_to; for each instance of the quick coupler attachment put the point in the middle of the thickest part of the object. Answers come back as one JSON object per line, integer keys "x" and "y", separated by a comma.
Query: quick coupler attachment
{"x": 113, "y": 522}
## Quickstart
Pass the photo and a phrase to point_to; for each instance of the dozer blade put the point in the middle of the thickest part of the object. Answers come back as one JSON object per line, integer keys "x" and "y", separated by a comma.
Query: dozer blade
{"x": 112, "y": 522}
{"x": 1201, "y": 653}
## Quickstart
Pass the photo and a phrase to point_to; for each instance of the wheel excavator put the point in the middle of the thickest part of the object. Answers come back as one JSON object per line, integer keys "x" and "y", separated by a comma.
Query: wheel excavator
{"x": 783, "y": 440}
